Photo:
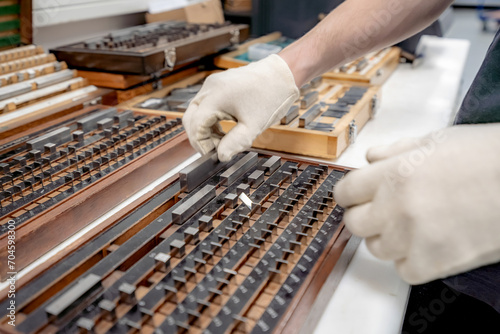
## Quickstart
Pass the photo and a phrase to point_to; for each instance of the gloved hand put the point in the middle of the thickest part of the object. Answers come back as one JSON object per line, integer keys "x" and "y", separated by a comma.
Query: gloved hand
{"x": 432, "y": 205}
{"x": 255, "y": 96}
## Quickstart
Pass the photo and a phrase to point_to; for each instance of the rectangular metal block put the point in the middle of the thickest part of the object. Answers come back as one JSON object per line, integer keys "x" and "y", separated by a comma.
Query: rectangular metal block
{"x": 15, "y": 90}
{"x": 122, "y": 118}
{"x": 316, "y": 82}
{"x": 309, "y": 116}
{"x": 239, "y": 168}
{"x": 256, "y": 178}
{"x": 272, "y": 164}
{"x": 193, "y": 204}
{"x": 54, "y": 78}
{"x": 105, "y": 123}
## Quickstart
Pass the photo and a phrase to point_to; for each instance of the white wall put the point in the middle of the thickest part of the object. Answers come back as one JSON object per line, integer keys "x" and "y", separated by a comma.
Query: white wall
{"x": 60, "y": 22}
{"x": 63, "y": 34}
{"x": 477, "y": 2}
{"x": 51, "y": 12}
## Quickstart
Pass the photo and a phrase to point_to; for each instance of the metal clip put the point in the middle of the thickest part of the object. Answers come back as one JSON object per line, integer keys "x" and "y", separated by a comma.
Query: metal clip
{"x": 375, "y": 104}
{"x": 93, "y": 102}
{"x": 235, "y": 36}
{"x": 353, "y": 132}
{"x": 170, "y": 58}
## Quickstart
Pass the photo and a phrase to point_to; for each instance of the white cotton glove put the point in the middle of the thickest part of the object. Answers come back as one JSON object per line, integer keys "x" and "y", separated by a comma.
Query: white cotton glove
{"x": 255, "y": 96}
{"x": 432, "y": 205}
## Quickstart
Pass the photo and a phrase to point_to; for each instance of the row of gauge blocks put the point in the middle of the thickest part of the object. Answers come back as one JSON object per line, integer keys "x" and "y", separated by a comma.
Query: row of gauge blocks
{"x": 149, "y": 35}
{"x": 31, "y": 72}
{"x": 54, "y": 165}
{"x": 226, "y": 266}
{"x": 176, "y": 100}
{"x": 364, "y": 64}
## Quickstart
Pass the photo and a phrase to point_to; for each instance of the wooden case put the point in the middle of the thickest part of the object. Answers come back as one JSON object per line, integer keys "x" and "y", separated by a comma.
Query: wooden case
{"x": 376, "y": 69}
{"x": 60, "y": 212}
{"x": 230, "y": 59}
{"x": 292, "y": 138}
{"x": 141, "y": 250}
{"x": 16, "y": 27}
{"x": 126, "y": 87}
{"x": 35, "y": 88}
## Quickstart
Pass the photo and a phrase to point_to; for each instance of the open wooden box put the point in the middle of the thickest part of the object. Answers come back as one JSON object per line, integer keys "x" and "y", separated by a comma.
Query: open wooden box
{"x": 292, "y": 138}
{"x": 375, "y": 68}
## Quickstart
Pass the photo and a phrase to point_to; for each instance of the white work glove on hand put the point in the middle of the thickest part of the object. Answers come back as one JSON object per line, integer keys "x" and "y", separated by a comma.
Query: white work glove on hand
{"x": 255, "y": 96}
{"x": 432, "y": 205}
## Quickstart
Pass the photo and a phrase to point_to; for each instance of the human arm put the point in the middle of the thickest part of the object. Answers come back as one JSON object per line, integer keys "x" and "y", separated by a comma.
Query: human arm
{"x": 355, "y": 28}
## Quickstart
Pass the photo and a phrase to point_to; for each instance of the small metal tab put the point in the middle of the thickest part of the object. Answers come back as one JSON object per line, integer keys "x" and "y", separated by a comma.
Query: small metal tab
{"x": 109, "y": 309}
{"x": 162, "y": 261}
{"x": 127, "y": 293}
{"x": 179, "y": 247}
{"x": 170, "y": 58}
{"x": 353, "y": 132}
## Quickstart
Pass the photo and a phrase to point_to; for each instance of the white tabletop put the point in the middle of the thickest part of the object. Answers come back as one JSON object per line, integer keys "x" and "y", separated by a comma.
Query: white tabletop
{"x": 370, "y": 297}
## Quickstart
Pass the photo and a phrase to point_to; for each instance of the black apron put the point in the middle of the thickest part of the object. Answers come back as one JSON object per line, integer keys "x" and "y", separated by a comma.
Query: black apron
{"x": 482, "y": 105}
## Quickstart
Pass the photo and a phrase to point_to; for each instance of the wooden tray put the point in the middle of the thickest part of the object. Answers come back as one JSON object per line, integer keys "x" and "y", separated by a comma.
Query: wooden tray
{"x": 291, "y": 138}
{"x": 126, "y": 87}
{"x": 188, "y": 81}
{"x": 380, "y": 66}
{"x": 149, "y": 216}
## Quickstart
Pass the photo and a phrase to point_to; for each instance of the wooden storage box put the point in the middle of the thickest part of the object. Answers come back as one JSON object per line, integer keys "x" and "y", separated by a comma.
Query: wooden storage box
{"x": 374, "y": 68}
{"x": 292, "y": 138}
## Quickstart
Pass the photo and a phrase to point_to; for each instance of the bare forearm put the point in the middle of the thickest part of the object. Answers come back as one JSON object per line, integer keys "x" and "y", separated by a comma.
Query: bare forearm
{"x": 355, "y": 28}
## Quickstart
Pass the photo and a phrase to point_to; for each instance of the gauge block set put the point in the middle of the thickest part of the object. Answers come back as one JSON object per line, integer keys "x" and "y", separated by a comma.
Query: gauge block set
{"x": 225, "y": 248}
{"x": 52, "y": 176}
{"x": 322, "y": 123}
{"x": 113, "y": 235}
{"x": 35, "y": 87}
{"x": 150, "y": 48}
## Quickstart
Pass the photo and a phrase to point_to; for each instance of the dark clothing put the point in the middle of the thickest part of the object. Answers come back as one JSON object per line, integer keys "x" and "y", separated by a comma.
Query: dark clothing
{"x": 482, "y": 105}
{"x": 482, "y": 102}
{"x": 433, "y": 307}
